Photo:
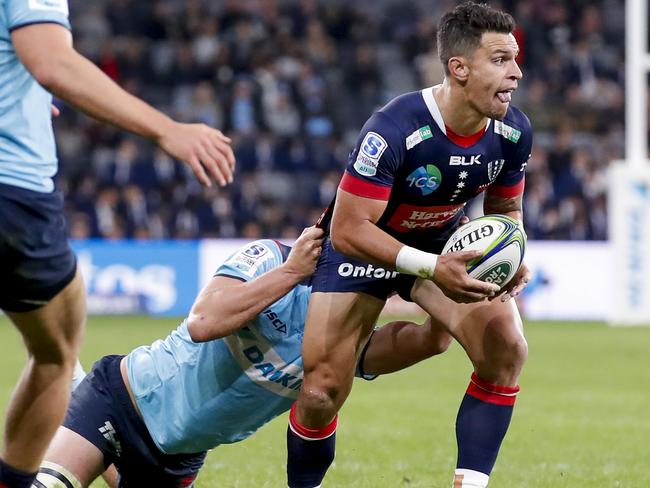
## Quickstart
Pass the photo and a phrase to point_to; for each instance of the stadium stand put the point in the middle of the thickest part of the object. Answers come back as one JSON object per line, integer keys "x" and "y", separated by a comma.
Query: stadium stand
{"x": 292, "y": 81}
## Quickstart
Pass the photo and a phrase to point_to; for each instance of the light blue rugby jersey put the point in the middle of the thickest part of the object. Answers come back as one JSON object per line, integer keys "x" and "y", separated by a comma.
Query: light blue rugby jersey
{"x": 27, "y": 149}
{"x": 195, "y": 396}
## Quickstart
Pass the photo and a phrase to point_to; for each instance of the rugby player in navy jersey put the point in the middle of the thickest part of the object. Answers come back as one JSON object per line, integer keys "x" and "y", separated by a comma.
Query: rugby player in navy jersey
{"x": 417, "y": 162}
{"x": 230, "y": 367}
{"x": 41, "y": 291}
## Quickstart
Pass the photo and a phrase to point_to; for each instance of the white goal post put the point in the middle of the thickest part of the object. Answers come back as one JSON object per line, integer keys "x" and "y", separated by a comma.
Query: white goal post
{"x": 629, "y": 182}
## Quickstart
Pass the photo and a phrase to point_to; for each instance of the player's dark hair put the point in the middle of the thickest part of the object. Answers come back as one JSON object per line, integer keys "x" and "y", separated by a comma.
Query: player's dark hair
{"x": 460, "y": 30}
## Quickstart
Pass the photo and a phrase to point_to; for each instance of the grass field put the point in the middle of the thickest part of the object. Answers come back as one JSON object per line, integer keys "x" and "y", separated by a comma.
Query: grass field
{"x": 582, "y": 419}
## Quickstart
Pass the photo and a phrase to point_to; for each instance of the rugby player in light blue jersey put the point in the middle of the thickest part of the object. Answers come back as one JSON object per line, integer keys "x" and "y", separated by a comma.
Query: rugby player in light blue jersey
{"x": 41, "y": 290}
{"x": 232, "y": 365}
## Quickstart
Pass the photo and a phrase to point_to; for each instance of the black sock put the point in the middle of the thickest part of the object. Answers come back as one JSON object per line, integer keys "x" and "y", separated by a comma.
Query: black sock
{"x": 310, "y": 452}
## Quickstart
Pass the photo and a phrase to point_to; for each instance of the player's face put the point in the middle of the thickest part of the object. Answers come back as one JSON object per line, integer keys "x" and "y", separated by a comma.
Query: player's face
{"x": 493, "y": 74}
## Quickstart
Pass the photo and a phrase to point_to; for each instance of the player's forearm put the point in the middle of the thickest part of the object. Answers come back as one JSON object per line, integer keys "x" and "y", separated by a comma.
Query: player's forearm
{"x": 365, "y": 241}
{"x": 512, "y": 207}
{"x": 79, "y": 82}
{"x": 221, "y": 312}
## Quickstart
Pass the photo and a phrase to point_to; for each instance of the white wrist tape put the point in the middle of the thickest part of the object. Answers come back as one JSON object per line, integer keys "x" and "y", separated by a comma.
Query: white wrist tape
{"x": 415, "y": 262}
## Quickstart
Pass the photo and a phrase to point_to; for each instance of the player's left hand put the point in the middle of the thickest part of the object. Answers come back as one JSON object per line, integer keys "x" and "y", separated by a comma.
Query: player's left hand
{"x": 516, "y": 284}
{"x": 55, "y": 111}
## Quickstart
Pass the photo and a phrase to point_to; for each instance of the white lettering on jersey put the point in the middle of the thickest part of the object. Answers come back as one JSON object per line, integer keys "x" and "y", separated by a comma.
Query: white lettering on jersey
{"x": 372, "y": 147}
{"x": 347, "y": 270}
{"x": 462, "y": 161}
{"x": 51, "y": 5}
{"x": 262, "y": 364}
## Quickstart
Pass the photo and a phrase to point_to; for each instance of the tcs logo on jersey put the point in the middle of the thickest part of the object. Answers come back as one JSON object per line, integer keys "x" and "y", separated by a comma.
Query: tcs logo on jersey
{"x": 426, "y": 179}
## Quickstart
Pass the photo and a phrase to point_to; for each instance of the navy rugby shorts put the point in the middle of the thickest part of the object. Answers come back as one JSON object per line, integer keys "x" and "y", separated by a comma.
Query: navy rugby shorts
{"x": 36, "y": 261}
{"x": 101, "y": 411}
{"x": 336, "y": 272}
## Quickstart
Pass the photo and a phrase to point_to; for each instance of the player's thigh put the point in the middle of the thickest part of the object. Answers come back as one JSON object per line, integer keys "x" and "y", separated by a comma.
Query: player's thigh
{"x": 75, "y": 454}
{"x": 490, "y": 331}
{"x": 337, "y": 325}
{"x": 53, "y": 332}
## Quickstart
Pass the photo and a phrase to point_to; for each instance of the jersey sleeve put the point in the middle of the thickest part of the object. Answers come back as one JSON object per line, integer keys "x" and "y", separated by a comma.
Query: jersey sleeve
{"x": 511, "y": 179}
{"x": 25, "y": 12}
{"x": 377, "y": 156}
{"x": 252, "y": 260}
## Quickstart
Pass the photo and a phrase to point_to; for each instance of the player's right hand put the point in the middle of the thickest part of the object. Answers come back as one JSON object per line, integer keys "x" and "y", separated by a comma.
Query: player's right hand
{"x": 451, "y": 277}
{"x": 204, "y": 149}
{"x": 305, "y": 252}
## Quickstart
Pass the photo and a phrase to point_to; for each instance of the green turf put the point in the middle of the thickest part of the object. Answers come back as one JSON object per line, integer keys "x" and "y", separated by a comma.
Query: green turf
{"x": 582, "y": 419}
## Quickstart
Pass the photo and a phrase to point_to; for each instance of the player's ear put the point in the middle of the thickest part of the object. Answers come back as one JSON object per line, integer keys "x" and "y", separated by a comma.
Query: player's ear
{"x": 458, "y": 68}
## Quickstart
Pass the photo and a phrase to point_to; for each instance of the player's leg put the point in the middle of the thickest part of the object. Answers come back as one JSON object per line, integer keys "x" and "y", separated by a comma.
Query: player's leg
{"x": 398, "y": 345}
{"x": 110, "y": 474}
{"x": 336, "y": 327}
{"x": 492, "y": 335}
{"x": 71, "y": 458}
{"x": 52, "y": 335}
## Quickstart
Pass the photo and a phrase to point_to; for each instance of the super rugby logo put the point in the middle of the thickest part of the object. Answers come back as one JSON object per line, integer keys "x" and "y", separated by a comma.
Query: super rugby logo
{"x": 250, "y": 259}
{"x": 372, "y": 147}
{"x": 426, "y": 179}
{"x": 255, "y": 251}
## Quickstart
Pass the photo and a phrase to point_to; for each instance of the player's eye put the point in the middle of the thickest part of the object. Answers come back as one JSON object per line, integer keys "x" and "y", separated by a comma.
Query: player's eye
{"x": 499, "y": 60}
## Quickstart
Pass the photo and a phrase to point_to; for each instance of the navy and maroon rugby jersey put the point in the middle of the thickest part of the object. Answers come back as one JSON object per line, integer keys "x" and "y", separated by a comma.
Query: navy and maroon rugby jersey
{"x": 407, "y": 156}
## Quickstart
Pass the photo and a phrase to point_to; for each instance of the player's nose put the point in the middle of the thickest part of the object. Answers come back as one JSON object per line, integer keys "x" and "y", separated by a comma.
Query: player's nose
{"x": 515, "y": 72}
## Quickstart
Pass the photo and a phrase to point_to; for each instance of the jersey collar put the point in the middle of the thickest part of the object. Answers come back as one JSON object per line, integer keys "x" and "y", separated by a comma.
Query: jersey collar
{"x": 430, "y": 101}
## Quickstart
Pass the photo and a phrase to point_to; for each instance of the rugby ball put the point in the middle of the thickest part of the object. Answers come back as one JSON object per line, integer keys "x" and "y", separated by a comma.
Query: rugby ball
{"x": 501, "y": 239}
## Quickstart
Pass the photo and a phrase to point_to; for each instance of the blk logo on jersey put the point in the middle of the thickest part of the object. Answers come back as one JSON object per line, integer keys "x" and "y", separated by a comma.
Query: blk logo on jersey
{"x": 372, "y": 148}
{"x": 465, "y": 160}
{"x": 426, "y": 179}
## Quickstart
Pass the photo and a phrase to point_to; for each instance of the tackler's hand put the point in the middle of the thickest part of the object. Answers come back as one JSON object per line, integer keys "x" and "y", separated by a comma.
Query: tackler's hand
{"x": 305, "y": 252}
{"x": 451, "y": 277}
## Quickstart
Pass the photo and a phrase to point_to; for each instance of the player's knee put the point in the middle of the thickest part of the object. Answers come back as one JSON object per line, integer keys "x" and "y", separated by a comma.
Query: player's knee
{"x": 319, "y": 400}
{"x": 518, "y": 352}
{"x": 52, "y": 475}
{"x": 505, "y": 365}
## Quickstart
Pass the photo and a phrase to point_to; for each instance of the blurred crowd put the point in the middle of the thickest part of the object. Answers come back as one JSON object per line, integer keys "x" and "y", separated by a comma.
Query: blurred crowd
{"x": 293, "y": 81}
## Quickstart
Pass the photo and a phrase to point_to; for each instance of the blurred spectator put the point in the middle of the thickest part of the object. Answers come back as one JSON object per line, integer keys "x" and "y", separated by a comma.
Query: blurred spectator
{"x": 292, "y": 81}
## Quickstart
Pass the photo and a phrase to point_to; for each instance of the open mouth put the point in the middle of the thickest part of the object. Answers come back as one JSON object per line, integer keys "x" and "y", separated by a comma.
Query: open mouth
{"x": 504, "y": 96}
